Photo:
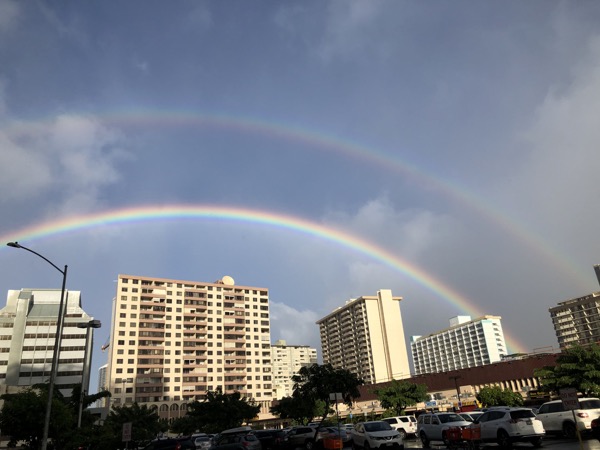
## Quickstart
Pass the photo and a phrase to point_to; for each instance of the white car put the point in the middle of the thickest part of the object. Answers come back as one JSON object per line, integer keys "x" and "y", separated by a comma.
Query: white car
{"x": 557, "y": 420}
{"x": 504, "y": 425}
{"x": 376, "y": 434}
{"x": 405, "y": 425}
{"x": 434, "y": 426}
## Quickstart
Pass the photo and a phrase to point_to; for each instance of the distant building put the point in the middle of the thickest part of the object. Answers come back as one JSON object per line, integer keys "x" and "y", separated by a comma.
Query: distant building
{"x": 102, "y": 384}
{"x": 577, "y": 321}
{"x": 287, "y": 361}
{"x": 28, "y": 325}
{"x": 366, "y": 337}
{"x": 466, "y": 343}
{"x": 173, "y": 340}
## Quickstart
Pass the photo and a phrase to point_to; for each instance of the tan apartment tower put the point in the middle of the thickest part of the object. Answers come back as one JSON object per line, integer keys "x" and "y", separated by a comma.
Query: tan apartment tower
{"x": 174, "y": 340}
{"x": 577, "y": 321}
{"x": 366, "y": 337}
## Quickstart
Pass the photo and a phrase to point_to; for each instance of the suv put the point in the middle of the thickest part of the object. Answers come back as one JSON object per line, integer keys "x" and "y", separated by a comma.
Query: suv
{"x": 505, "y": 425}
{"x": 434, "y": 426}
{"x": 557, "y": 420}
{"x": 405, "y": 425}
{"x": 376, "y": 434}
{"x": 241, "y": 438}
{"x": 301, "y": 437}
{"x": 171, "y": 444}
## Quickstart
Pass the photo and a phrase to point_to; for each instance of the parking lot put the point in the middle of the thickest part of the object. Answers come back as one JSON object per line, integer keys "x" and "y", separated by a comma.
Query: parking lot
{"x": 549, "y": 442}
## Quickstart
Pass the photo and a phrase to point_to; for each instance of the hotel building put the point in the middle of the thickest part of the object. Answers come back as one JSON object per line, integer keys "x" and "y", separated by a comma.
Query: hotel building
{"x": 366, "y": 337}
{"x": 173, "y": 340}
{"x": 466, "y": 343}
{"x": 577, "y": 321}
{"x": 287, "y": 361}
{"x": 28, "y": 326}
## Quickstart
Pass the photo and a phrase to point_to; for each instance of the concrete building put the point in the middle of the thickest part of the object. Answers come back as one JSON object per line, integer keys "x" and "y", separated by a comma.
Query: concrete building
{"x": 172, "y": 340}
{"x": 287, "y": 361}
{"x": 28, "y": 325}
{"x": 102, "y": 385}
{"x": 366, "y": 337}
{"x": 466, "y": 343}
{"x": 577, "y": 321}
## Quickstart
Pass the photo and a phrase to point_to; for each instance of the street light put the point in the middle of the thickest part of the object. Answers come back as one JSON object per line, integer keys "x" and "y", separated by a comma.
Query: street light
{"x": 55, "y": 354}
{"x": 87, "y": 359}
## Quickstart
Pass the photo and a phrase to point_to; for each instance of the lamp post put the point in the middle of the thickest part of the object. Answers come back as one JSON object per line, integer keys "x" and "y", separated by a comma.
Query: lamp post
{"x": 57, "y": 339}
{"x": 87, "y": 359}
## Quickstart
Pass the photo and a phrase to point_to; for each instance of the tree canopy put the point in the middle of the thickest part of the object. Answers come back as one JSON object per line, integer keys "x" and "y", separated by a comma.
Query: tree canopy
{"x": 317, "y": 382}
{"x": 399, "y": 395}
{"x": 576, "y": 367}
{"x": 302, "y": 410}
{"x": 496, "y": 396}
{"x": 220, "y": 411}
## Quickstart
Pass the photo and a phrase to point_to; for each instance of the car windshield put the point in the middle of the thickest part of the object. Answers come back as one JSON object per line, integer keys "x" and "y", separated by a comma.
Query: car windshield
{"x": 377, "y": 426}
{"x": 590, "y": 404}
{"x": 521, "y": 414}
{"x": 445, "y": 418}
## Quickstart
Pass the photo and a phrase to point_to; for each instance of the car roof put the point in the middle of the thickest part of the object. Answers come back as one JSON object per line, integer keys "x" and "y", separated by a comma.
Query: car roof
{"x": 237, "y": 430}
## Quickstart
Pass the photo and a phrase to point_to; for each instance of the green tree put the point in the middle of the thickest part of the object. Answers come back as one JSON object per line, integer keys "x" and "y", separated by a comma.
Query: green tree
{"x": 221, "y": 411}
{"x": 317, "y": 382}
{"x": 145, "y": 425}
{"x": 496, "y": 396}
{"x": 576, "y": 367}
{"x": 399, "y": 395}
{"x": 301, "y": 410}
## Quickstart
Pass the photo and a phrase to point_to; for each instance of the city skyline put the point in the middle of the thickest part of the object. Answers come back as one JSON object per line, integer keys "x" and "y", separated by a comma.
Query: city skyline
{"x": 324, "y": 150}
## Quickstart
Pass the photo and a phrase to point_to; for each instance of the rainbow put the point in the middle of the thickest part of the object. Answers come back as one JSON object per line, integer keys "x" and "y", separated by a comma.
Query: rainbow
{"x": 143, "y": 118}
{"x": 142, "y": 214}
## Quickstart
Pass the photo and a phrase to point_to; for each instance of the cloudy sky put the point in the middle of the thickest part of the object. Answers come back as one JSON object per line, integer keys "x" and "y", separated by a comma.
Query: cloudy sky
{"x": 324, "y": 150}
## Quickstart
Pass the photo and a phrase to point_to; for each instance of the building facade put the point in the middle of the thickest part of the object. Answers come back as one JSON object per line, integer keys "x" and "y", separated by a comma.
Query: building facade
{"x": 28, "y": 326}
{"x": 287, "y": 361}
{"x": 466, "y": 343}
{"x": 577, "y": 321}
{"x": 173, "y": 340}
{"x": 366, "y": 337}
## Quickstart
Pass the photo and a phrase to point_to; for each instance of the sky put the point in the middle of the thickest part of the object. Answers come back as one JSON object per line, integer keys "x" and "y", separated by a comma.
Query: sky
{"x": 447, "y": 151}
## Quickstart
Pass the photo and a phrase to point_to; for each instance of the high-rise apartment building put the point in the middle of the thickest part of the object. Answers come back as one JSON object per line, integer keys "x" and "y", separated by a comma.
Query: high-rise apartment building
{"x": 28, "y": 325}
{"x": 466, "y": 343}
{"x": 173, "y": 340}
{"x": 577, "y": 321}
{"x": 287, "y": 361}
{"x": 366, "y": 337}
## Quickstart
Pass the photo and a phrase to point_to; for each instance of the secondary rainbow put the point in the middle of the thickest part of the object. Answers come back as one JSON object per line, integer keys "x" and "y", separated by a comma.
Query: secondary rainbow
{"x": 135, "y": 117}
{"x": 140, "y": 214}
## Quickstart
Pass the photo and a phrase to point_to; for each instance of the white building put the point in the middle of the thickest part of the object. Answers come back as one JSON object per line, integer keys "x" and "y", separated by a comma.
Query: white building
{"x": 366, "y": 337}
{"x": 28, "y": 325}
{"x": 287, "y": 361}
{"x": 172, "y": 340}
{"x": 466, "y": 343}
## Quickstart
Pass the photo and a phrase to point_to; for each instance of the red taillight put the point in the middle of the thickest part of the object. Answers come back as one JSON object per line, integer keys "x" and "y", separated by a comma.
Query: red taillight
{"x": 178, "y": 446}
{"x": 246, "y": 443}
{"x": 583, "y": 415}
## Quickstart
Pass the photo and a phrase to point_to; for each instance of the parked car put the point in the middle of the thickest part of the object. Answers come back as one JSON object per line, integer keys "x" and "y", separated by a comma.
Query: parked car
{"x": 333, "y": 433}
{"x": 241, "y": 438}
{"x": 201, "y": 441}
{"x": 505, "y": 426}
{"x": 471, "y": 416}
{"x": 595, "y": 428}
{"x": 301, "y": 437}
{"x": 405, "y": 425}
{"x": 434, "y": 426}
{"x": 271, "y": 439}
{"x": 558, "y": 420}
{"x": 376, "y": 434}
{"x": 184, "y": 443}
